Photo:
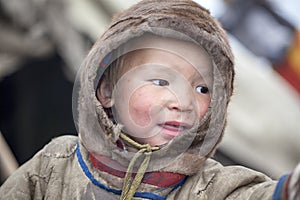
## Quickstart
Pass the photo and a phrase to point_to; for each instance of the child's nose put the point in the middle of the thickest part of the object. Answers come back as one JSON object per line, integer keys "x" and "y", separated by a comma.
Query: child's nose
{"x": 181, "y": 101}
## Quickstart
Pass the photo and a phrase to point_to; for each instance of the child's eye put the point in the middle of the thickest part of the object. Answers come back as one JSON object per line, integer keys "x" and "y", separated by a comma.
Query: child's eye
{"x": 160, "y": 82}
{"x": 202, "y": 89}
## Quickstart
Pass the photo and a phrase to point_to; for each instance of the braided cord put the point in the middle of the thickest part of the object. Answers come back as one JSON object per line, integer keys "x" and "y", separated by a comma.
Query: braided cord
{"x": 130, "y": 186}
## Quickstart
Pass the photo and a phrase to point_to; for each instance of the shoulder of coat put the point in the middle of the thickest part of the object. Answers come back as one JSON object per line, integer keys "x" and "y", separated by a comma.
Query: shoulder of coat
{"x": 60, "y": 147}
{"x": 206, "y": 174}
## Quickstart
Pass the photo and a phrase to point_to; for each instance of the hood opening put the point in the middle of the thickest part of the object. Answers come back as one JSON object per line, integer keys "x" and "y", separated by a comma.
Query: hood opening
{"x": 99, "y": 133}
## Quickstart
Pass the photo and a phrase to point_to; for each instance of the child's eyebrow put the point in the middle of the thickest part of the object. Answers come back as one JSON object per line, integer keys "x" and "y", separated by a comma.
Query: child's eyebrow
{"x": 202, "y": 78}
{"x": 202, "y": 73}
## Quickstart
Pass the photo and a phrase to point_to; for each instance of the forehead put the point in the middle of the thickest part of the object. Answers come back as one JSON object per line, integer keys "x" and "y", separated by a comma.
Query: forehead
{"x": 169, "y": 52}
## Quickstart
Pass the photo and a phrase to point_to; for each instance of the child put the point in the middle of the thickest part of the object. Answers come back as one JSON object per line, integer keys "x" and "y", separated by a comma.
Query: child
{"x": 152, "y": 100}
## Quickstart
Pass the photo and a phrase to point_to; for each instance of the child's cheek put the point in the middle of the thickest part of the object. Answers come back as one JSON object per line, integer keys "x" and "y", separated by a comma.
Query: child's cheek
{"x": 203, "y": 107}
{"x": 140, "y": 109}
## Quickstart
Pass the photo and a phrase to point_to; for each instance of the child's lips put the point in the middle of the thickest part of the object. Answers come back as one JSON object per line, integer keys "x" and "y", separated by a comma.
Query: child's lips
{"x": 174, "y": 128}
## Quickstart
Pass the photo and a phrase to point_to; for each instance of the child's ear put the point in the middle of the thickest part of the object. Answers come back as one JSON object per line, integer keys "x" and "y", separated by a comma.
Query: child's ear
{"x": 104, "y": 94}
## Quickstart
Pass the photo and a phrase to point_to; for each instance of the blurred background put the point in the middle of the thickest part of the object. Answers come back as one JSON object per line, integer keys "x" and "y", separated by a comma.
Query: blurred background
{"x": 43, "y": 43}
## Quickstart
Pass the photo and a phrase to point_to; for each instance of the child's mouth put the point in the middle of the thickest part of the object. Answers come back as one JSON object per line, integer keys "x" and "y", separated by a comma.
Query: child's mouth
{"x": 174, "y": 128}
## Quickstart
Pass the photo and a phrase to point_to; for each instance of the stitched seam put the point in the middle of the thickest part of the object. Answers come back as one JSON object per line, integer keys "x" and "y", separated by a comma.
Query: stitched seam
{"x": 200, "y": 192}
{"x": 59, "y": 155}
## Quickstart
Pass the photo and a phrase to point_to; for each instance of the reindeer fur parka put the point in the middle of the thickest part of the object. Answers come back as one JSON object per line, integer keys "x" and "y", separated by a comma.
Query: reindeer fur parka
{"x": 69, "y": 168}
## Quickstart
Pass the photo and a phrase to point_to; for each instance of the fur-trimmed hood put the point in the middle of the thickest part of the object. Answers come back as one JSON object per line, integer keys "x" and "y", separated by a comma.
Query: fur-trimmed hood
{"x": 181, "y": 19}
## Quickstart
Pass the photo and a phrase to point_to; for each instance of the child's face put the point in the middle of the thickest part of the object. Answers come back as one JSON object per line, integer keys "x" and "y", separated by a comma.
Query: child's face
{"x": 161, "y": 94}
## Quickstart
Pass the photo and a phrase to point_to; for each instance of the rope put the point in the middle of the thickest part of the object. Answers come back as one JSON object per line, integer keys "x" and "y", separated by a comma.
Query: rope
{"x": 130, "y": 186}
